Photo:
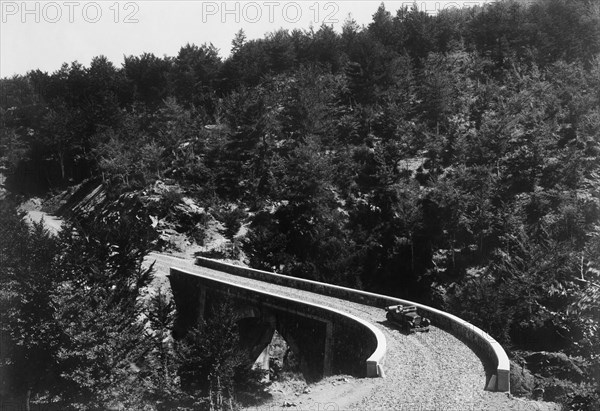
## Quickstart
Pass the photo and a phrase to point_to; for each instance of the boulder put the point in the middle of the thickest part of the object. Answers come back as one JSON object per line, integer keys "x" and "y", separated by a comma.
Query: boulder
{"x": 556, "y": 390}
{"x": 522, "y": 381}
{"x": 554, "y": 364}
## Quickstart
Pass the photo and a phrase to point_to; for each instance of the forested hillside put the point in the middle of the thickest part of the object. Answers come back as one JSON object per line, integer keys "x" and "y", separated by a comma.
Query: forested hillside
{"x": 452, "y": 160}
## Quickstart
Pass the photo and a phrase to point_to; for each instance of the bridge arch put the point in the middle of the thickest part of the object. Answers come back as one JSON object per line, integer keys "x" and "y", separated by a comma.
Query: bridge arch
{"x": 325, "y": 340}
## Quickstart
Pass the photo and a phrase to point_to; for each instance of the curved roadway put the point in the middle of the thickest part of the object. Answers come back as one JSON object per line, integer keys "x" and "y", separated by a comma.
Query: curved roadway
{"x": 424, "y": 371}
{"x": 427, "y": 371}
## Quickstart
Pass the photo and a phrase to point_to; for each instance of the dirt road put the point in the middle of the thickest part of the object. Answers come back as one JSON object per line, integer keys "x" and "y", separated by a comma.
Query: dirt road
{"x": 52, "y": 223}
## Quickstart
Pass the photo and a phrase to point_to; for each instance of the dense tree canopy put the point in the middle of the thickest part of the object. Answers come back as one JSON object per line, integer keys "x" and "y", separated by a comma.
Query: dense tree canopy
{"x": 450, "y": 159}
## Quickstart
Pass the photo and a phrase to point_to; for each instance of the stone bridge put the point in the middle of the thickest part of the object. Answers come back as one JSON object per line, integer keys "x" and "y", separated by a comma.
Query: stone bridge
{"x": 312, "y": 317}
{"x": 326, "y": 341}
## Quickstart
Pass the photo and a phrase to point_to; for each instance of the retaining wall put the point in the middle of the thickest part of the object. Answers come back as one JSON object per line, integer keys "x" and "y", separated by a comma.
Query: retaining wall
{"x": 483, "y": 343}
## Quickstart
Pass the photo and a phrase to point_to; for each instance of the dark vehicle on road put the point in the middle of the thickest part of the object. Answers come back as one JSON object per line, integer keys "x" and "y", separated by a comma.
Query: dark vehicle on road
{"x": 407, "y": 318}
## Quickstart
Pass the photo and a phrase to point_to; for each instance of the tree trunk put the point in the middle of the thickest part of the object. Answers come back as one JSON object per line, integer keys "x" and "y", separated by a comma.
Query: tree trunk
{"x": 219, "y": 394}
{"x": 412, "y": 254}
{"x": 28, "y": 399}
{"x": 61, "y": 159}
{"x": 453, "y": 257}
{"x": 165, "y": 362}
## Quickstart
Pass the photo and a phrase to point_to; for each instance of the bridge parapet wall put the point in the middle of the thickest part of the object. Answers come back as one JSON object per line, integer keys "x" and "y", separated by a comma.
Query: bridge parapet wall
{"x": 481, "y": 341}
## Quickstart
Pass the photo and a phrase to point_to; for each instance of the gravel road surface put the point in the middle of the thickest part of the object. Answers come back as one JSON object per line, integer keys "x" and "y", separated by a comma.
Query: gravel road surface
{"x": 52, "y": 223}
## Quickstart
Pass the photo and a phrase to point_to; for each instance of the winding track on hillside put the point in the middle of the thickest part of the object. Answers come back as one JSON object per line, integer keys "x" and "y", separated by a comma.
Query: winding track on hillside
{"x": 428, "y": 371}
{"x": 424, "y": 371}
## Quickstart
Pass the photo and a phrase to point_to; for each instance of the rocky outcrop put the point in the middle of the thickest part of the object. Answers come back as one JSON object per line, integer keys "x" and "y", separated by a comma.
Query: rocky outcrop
{"x": 87, "y": 196}
{"x": 550, "y": 376}
{"x": 522, "y": 381}
{"x": 554, "y": 364}
{"x": 177, "y": 219}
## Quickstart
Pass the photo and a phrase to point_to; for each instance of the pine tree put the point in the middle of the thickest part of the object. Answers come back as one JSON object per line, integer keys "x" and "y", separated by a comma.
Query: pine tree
{"x": 103, "y": 340}
{"x": 26, "y": 276}
{"x": 211, "y": 358}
